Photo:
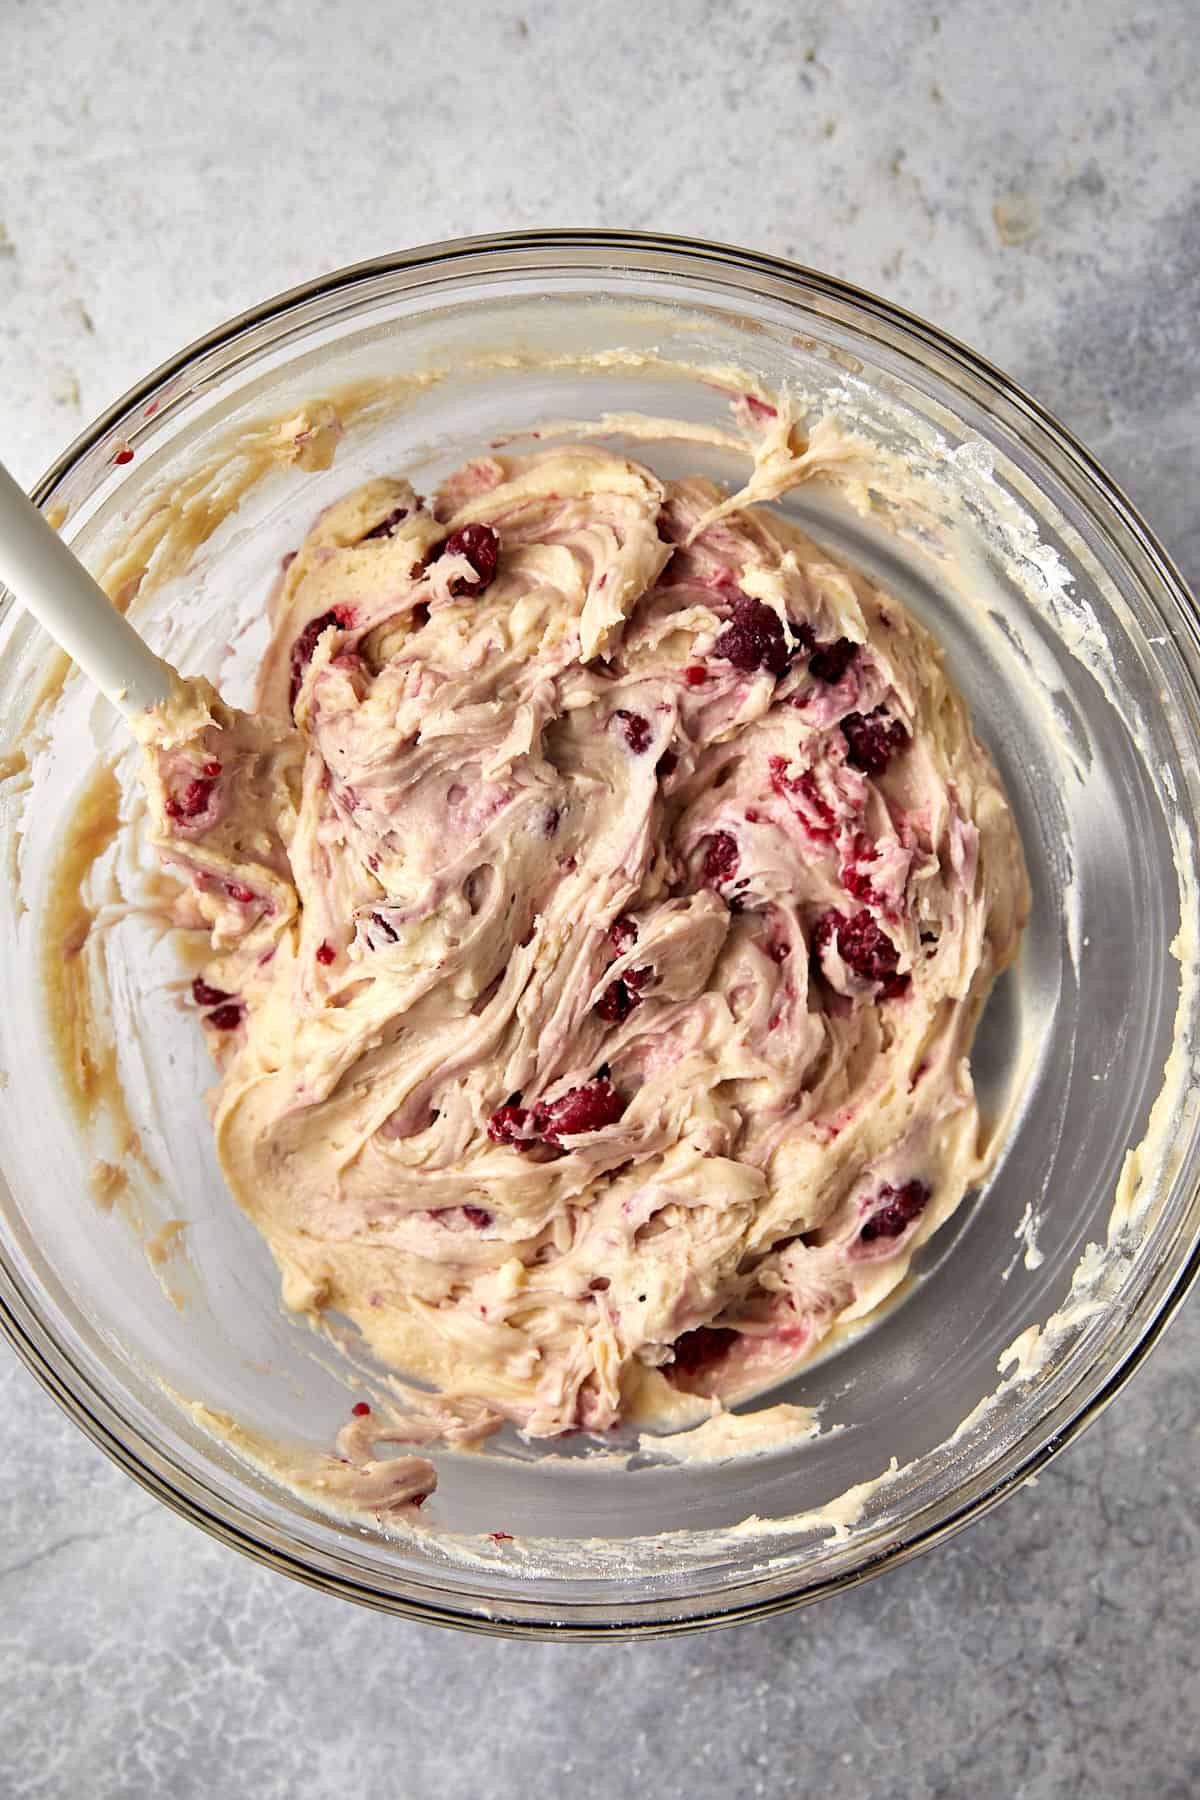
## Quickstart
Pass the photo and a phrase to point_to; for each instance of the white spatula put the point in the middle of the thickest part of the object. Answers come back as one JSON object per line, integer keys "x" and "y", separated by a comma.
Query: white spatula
{"x": 56, "y": 588}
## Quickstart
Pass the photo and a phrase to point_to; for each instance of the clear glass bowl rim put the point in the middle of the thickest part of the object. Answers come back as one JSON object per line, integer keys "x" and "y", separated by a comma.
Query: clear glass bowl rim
{"x": 615, "y": 253}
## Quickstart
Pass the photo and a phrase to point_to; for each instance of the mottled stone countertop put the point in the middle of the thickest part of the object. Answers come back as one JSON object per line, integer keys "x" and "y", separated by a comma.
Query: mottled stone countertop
{"x": 1029, "y": 180}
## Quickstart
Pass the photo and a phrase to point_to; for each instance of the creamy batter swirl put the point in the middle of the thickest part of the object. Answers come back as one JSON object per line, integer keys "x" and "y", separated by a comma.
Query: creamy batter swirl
{"x": 602, "y": 898}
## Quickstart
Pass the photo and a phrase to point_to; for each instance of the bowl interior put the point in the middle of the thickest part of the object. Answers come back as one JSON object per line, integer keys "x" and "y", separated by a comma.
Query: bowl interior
{"x": 1051, "y": 628}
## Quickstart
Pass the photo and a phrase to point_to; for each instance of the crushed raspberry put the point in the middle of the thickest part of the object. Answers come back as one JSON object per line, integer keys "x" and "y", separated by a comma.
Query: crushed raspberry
{"x": 637, "y": 730}
{"x": 191, "y": 802}
{"x": 700, "y": 1348}
{"x": 478, "y": 1216}
{"x": 386, "y": 525}
{"x": 227, "y": 1017}
{"x": 510, "y": 1124}
{"x": 361, "y": 1410}
{"x": 721, "y": 858}
{"x": 820, "y": 819}
{"x": 863, "y": 947}
{"x": 238, "y": 891}
{"x": 623, "y": 934}
{"x": 204, "y": 994}
{"x": 306, "y": 643}
{"x": 326, "y": 953}
{"x": 897, "y": 1209}
{"x": 858, "y": 885}
{"x": 873, "y": 739}
{"x": 831, "y": 661}
{"x": 621, "y": 996}
{"x": 855, "y": 879}
{"x": 212, "y": 770}
{"x": 587, "y": 1108}
{"x": 123, "y": 456}
{"x": 501, "y": 1537}
{"x": 481, "y": 547}
{"x": 695, "y": 676}
{"x": 754, "y": 638}
{"x": 778, "y": 950}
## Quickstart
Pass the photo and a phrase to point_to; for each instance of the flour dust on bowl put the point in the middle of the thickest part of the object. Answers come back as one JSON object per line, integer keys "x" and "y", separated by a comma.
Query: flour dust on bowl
{"x": 147, "y": 1301}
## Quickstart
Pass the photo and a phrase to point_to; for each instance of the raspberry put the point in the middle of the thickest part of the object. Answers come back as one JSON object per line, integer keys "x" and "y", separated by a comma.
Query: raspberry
{"x": 386, "y": 525}
{"x": 478, "y": 1216}
{"x": 873, "y": 739}
{"x": 832, "y": 660}
{"x": 897, "y": 1209}
{"x": 123, "y": 456}
{"x": 204, "y": 994}
{"x": 481, "y": 547}
{"x": 191, "y": 802}
{"x": 721, "y": 858}
{"x": 361, "y": 1410}
{"x": 754, "y": 638}
{"x": 623, "y": 934}
{"x": 237, "y": 890}
{"x": 212, "y": 770}
{"x": 326, "y": 953}
{"x": 509, "y": 1124}
{"x": 306, "y": 643}
{"x": 227, "y": 1017}
{"x": 587, "y": 1108}
{"x": 700, "y": 1348}
{"x": 695, "y": 676}
{"x": 637, "y": 730}
{"x": 621, "y": 996}
{"x": 863, "y": 947}
{"x": 820, "y": 819}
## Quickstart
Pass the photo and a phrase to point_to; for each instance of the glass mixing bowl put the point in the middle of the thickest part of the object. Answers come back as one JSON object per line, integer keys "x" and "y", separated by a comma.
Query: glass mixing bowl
{"x": 1076, "y": 645}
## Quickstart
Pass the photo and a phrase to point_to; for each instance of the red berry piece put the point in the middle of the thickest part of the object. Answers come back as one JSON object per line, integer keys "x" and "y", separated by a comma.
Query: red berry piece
{"x": 872, "y": 739}
{"x": 191, "y": 802}
{"x": 386, "y": 525}
{"x": 478, "y": 1216}
{"x": 361, "y": 1410}
{"x": 701, "y": 1348}
{"x": 212, "y": 770}
{"x": 306, "y": 643}
{"x": 123, "y": 456}
{"x": 621, "y": 996}
{"x": 326, "y": 953}
{"x": 754, "y": 638}
{"x": 481, "y": 547}
{"x": 227, "y": 1017}
{"x": 510, "y": 1124}
{"x": 831, "y": 661}
{"x": 720, "y": 858}
{"x": 637, "y": 730}
{"x": 204, "y": 994}
{"x": 237, "y": 890}
{"x": 695, "y": 676}
{"x": 863, "y": 947}
{"x": 587, "y": 1108}
{"x": 623, "y": 934}
{"x": 895, "y": 1211}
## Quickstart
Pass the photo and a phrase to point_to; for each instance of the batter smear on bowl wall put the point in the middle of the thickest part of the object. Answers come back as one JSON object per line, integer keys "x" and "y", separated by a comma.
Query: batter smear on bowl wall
{"x": 602, "y": 898}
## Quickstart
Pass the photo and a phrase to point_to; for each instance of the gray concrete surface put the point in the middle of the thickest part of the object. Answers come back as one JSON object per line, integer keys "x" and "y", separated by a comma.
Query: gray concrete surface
{"x": 1030, "y": 178}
